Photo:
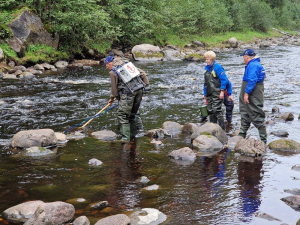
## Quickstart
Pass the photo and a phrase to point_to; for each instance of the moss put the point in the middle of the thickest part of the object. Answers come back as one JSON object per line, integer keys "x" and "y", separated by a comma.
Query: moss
{"x": 142, "y": 55}
{"x": 206, "y": 134}
{"x": 9, "y": 52}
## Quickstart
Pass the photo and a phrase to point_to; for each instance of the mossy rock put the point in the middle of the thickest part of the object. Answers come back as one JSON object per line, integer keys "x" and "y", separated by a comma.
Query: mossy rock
{"x": 150, "y": 55}
{"x": 285, "y": 145}
{"x": 194, "y": 57}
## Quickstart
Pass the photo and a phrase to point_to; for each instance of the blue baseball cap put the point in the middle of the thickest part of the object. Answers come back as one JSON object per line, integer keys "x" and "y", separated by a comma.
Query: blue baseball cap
{"x": 249, "y": 52}
{"x": 109, "y": 58}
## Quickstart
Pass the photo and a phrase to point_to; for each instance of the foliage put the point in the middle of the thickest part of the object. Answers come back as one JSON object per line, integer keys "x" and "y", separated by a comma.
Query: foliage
{"x": 43, "y": 53}
{"x": 8, "y": 51}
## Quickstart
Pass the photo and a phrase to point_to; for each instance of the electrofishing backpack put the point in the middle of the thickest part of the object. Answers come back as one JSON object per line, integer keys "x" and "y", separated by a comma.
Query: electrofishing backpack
{"x": 130, "y": 75}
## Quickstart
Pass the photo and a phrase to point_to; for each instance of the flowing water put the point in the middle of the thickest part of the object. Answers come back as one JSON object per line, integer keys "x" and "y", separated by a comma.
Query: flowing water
{"x": 223, "y": 189}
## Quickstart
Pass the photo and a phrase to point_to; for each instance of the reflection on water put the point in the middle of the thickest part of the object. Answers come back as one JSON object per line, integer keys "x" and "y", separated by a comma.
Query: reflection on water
{"x": 221, "y": 189}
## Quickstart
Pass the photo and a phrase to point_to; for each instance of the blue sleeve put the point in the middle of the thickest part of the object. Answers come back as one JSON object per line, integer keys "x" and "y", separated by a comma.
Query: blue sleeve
{"x": 204, "y": 89}
{"x": 221, "y": 75}
{"x": 252, "y": 77}
{"x": 229, "y": 88}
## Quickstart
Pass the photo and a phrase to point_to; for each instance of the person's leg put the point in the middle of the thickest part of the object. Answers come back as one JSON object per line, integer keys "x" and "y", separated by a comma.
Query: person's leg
{"x": 217, "y": 109}
{"x": 229, "y": 108}
{"x": 245, "y": 124}
{"x": 124, "y": 112}
{"x": 210, "y": 110}
{"x": 132, "y": 118}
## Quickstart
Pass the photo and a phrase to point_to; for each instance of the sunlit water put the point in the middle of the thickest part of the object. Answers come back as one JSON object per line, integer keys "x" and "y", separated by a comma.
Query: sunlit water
{"x": 224, "y": 189}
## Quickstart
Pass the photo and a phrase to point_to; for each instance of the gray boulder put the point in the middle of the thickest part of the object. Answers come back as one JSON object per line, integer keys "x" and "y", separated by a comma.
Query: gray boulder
{"x": 61, "y": 64}
{"x": 173, "y": 55}
{"x": 266, "y": 216}
{"x": 119, "y": 219}
{"x": 147, "y": 52}
{"x": 233, "y": 42}
{"x": 296, "y": 167}
{"x": 251, "y": 146}
{"x": 54, "y": 213}
{"x": 285, "y": 145}
{"x": 118, "y": 52}
{"x": 147, "y": 216}
{"x": 10, "y": 77}
{"x": 47, "y": 66}
{"x": 105, "y": 135}
{"x": 293, "y": 201}
{"x": 22, "y": 68}
{"x": 82, "y": 220}
{"x": 233, "y": 141}
{"x": 207, "y": 143}
{"x": 212, "y": 129}
{"x": 38, "y": 67}
{"x": 295, "y": 191}
{"x": 280, "y": 133}
{"x": 34, "y": 138}
{"x": 29, "y": 28}
{"x": 185, "y": 154}
{"x": 198, "y": 43}
{"x": 97, "y": 205}
{"x": 21, "y": 212}
{"x": 157, "y": 133}
{"x": 189, "y": 128}
{"x": 172, "y": 128}
{"x": 34, "y": 72}
{"x": 287, "y": 116}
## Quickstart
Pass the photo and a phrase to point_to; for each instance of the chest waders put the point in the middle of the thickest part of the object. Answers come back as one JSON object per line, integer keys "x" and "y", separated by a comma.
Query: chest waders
{"x": 214, "y": 105}
{"x": 253, "y": 111}
{"x": 130, "y": 97}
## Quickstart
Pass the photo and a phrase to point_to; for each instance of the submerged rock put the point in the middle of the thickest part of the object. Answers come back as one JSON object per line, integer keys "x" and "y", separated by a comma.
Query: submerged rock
{"x": 293, "y": 201}
{"x": 285, "y": 145}
{"x": 233, "y": 141}
{"x": 119, "y": 219}
{"x": 185, "y": 154}
{"x": 105, "y": 135}
{"x": 82, "y": 220}
{"x": 147, "y": 216}
{"x": 295, "y": 191}
{"x": 172, "y": 128}
{"x": 21, "y": 212}
{"x": 207, "y": 143}
{"x": 296, "y": 167}
{"x": 37, "y": 151}
{"x": 266, "y": 216}
{"x": 287, "y": 116}
{"x": 251, "y": 146}
{"x": 95, "y": 162}
{"x": 153, "y": 187}
{"x": 144, "y": 180}
{"x": 96, "y": 205}
{"x": 52, "y": 213}
{"x": 34, "y": 138}
{"x": 212, "y": 129}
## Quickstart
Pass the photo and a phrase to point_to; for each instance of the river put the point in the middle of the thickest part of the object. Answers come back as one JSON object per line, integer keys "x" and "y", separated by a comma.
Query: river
{"x": 223, "y": 189}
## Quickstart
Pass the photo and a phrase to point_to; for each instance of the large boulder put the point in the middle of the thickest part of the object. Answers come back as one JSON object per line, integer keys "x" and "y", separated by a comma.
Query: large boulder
{"x": 251, "y": 147}
{"x": 233, "y": 141}
{"x": 21, "y": 212}
{"x": 233, "y": 42}
{"x": 172, "y": 128}
{"x": 185, "y": 154}
{"x": 212, "y": 129}
{"x": 28, "y": 28}
{"x": 285, "y": 145}
{"x": 54, "y": 213}
{"x": 61, "y": 64}
{"x": 173, "y": 55}
{"x": 190, "y": 128}
{"x": 146, "y": 52}
{"x": 119, "y": 219}
{"x": 34, "y": 138}
{"x": 207, "y": 143}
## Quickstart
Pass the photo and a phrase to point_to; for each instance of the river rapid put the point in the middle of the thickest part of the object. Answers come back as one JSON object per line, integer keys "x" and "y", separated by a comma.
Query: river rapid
{"x": 226, "y": 188}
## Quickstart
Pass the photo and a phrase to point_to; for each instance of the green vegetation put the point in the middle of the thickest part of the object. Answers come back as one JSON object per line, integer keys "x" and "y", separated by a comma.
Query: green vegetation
{"x": 8, "y": 52}
{"x": 43, "y": 53}
{"x": 99, "y": 24}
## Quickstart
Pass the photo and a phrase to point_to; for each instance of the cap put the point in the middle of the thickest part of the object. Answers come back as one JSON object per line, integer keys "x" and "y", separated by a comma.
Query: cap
{"x": 249, "y": 52}
{"x": 109, "y": 58}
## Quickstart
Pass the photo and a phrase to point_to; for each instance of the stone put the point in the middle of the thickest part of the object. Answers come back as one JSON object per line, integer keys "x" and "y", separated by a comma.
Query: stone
{"x": 172, "y": 128}
{"x": 118, "y": 52}
{"x": 172, "y": 55}
{"x": 295, "y": 191}
{"x": 82, "y": 220}
{"x": 10, "y": 77}
{"x": 97, "y": 205}
{"x": 233, "y": 141}
{"x": 95, "y": 162}
{"x": 212, "y": 129}
{"x": 61, "y": 64}
{"x": 18, "y": 72}
{"x": 60, "y": 137}
{"x": 144, "y": 180}
{"x": 287, "y": 116}
{"x": 280, "y": 133}
{"x": 21, "y": 212}
{"x": 146, "y": 52}
{"x": 147, "y": 216}
{"x": 275, "y": 109}
{"x": 207, "y": 143}
{"x": 155, "y": 133}
{"x": 11, "y": 64}
{"x": 296, "y": 167}
{"x": 266, "y": 216}
{"x": 251, "y": 147}
{"x": 37, "y": 151}
{"x": 27, "y": 75}
{"x": 233, "y": 42}
{"x": 53, "y": 213}
{"x": 105, "y": 135}
{"x": 34, "y": 72}
{"x": 91, "y": 52}
{"x": 46, "y": 66}
{"x": 153, "y": 187}
{"x": 119, "y": 219}
{"x": 185, "y": 154}
{"x": 198, "y": 43}
{"x": 189, "y": 128}
{"x": 22, "y": 68}
{"x": 285, "y": 145}
{"x": 34, "y": 138}
{"x": 293, "y": 201}
{"x": 38, "y": 67}
{"x": 1, "y": 54}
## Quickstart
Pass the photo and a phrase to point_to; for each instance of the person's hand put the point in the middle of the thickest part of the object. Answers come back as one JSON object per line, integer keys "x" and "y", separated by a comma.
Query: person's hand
{"x": 111, "y": 101}
{"x": 221, "y": 95}
{"x": 204, "y": 96}
{"x": 230, "y": 98}
{"x": 246, "y": 98}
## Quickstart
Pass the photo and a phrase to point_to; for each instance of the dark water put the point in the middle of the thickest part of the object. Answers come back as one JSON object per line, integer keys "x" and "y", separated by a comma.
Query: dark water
{"x": 224, "y": 189}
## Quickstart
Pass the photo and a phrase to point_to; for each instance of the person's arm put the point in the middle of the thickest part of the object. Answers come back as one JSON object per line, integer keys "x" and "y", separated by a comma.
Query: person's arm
{"x": 144, "y": 76}
{"x": 114, "y": 86}
{"x": 204, "y": 91}
{"x": 229, "y": 90}
{"x": 252, "y": 78}
{"x": 223, "y": 79}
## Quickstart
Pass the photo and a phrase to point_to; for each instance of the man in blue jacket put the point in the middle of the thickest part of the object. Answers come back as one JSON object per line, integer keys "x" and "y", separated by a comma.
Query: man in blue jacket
{"x": 252, "y": 96}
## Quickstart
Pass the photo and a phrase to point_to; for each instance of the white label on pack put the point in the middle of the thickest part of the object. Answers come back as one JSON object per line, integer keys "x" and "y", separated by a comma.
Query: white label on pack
{"x": 127, "y": 72}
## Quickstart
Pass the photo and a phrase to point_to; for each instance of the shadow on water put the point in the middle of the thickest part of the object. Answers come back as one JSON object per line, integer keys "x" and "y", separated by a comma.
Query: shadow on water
{"x": 221, "y": 189}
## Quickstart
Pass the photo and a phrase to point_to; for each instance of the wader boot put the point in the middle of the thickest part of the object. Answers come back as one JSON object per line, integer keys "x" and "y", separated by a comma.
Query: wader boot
{"x": 212, "y": 118}
{"x": 125, "y": 132}
{"x": 263, "y": 134}
{"x": 221, "y": 123}
{"x": 133, "y": 130}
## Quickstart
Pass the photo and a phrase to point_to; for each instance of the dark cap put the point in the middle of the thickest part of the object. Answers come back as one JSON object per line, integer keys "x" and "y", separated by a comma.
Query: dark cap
{"x": 249, "y": 52}
{"x": 109, "y": 58}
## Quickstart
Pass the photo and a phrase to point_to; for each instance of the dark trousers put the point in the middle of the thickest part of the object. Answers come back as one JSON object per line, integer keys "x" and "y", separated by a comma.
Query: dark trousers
{"x": 229, "y": 108}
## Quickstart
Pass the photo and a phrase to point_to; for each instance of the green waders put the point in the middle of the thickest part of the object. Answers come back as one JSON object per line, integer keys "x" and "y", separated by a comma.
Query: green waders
{"x": 253, "y": 111}
{"x": 214, "y": 105}
{"x": 129, "y": 104}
